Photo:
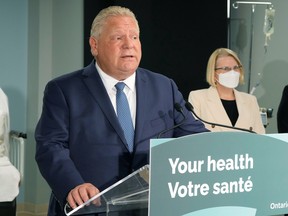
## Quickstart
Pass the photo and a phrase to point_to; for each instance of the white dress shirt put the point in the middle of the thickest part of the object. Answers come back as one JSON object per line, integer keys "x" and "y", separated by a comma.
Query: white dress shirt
{"x": 130, "y": 90}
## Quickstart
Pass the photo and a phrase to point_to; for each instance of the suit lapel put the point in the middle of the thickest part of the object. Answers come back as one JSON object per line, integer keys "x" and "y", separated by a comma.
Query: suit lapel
{"x": 241, "y": 104}
{"x": 142, "y": 109}
{"x": 216, "y": 108}
{"x": 96, "y": 88}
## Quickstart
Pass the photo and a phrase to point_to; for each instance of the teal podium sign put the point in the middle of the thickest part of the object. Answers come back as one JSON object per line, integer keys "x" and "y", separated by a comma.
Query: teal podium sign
{"x": 219, "y": 174}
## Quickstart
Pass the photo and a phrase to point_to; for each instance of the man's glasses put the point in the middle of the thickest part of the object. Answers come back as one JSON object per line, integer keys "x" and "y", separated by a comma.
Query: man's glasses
{"x": 226, "y": 69}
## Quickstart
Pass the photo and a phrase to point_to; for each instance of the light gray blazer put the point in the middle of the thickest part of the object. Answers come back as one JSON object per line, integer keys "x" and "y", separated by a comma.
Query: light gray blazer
{"x": 207, "y": 104}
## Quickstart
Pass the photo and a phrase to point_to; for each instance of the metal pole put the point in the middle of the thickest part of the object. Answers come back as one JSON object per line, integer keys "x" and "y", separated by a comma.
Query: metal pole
{"x": 236, "y": 5}
{"x": 251, "y": 47}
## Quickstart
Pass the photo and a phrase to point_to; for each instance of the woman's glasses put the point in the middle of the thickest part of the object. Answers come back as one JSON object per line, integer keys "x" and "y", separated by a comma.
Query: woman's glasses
{"x": 226, "y": 69}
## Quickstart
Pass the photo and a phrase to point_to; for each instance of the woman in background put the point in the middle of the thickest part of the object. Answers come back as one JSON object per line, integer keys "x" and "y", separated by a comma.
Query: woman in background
{"x": 9, "y": 175}
{"x": 221, "y": 103}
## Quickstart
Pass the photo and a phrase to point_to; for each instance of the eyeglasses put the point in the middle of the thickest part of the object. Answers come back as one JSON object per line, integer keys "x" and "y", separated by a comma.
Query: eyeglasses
{"x": 226, "y": 69}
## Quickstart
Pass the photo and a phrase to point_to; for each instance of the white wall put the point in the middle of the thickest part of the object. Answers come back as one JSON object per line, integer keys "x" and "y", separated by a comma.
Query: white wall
{"x": 13, "y": 58}
{"x": 39, "y": 40}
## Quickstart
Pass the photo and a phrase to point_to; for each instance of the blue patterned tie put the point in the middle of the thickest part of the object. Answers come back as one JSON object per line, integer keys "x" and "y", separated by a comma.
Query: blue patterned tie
{"x": 124, "y": 115}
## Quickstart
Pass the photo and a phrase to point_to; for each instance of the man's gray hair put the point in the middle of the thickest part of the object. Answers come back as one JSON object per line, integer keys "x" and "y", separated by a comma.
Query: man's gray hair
{"x": 105, "y": 13}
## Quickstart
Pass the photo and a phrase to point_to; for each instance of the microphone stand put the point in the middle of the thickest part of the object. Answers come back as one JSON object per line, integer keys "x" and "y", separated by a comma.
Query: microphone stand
{"x": 190, "y": 108}
{"x": 178, "y": 107}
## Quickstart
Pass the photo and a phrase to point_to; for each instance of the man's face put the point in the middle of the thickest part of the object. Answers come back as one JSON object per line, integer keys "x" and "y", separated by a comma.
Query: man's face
{"x": 118, "y": 48}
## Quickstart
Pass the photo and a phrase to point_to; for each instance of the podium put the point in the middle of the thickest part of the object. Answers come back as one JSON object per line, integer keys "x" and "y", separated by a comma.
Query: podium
{"x": 219, "y": 174}
{"x": 127, "y": 194}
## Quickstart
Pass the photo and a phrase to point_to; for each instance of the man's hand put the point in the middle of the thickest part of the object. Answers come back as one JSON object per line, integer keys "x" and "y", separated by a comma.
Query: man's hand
{"x": 81, "y": 194}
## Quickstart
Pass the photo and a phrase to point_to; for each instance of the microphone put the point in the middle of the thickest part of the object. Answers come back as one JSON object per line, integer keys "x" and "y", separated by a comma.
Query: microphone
{"x": 178, "y": 107}
{"x": 190, "y": 108}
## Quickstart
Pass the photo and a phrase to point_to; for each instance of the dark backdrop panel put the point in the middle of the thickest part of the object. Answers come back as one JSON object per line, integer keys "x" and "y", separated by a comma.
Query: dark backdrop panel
{"x": 177, "y": 39}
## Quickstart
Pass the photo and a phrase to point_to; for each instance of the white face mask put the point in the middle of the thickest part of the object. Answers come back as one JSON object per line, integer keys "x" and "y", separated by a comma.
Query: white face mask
{"x": 229, "y": 79}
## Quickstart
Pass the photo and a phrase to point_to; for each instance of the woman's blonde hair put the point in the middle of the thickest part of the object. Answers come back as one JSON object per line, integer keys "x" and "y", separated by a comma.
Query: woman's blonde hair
{"x": 211, "y": 65}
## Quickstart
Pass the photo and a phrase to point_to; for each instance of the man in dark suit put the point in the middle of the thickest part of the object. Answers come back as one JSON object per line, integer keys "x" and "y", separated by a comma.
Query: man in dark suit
{"x": 81, "y": 147}
{"x": 282, "y": 114}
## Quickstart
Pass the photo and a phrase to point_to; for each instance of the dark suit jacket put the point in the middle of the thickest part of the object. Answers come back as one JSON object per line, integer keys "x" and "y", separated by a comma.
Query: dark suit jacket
{"x": 79, "y": 138}
{"x": 282, "y": 114}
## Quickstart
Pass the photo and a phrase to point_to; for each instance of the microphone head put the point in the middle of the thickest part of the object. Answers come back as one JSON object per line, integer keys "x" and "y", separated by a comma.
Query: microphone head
{"x": 189, "y": 106}
{"x": 178, "y": 107}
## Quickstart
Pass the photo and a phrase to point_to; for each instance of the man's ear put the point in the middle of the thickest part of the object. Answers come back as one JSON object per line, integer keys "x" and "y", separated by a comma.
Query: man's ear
{"x": 93, "y": 46}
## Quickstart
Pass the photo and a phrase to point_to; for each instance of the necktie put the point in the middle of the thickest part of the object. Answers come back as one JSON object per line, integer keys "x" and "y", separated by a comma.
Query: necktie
{"x": 124, "y": 116}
